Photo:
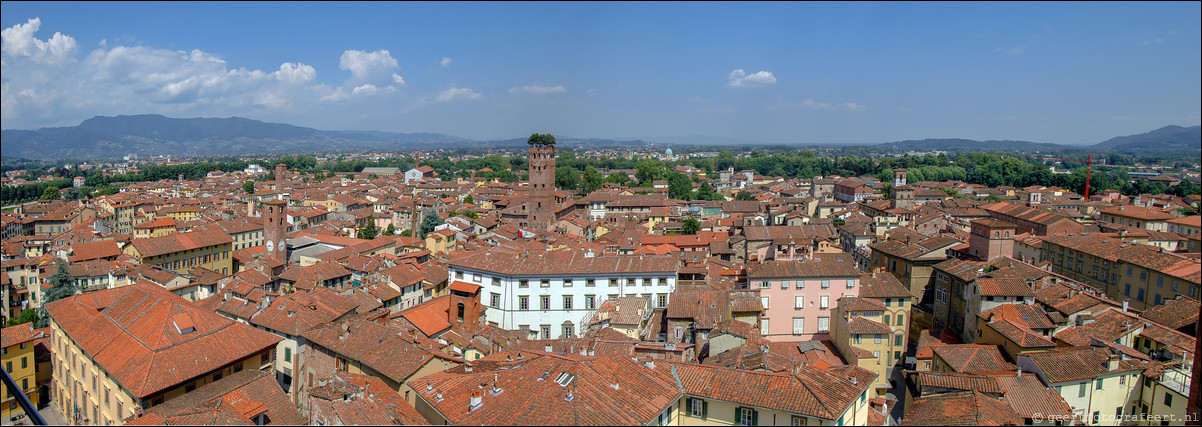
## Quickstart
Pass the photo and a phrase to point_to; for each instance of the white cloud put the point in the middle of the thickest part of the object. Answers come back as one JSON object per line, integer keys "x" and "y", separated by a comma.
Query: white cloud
{"x": 740, "y": 78}
{"x": 19, "y": 41}
{"x": 811, "y": 104}
{"x": 396, "y": 78}
{"x": 367, "y": 89}
{"x": 539, "y": 89}
{"x": 457, "y": 93}
{"x": 446, "y": 62}
{"x": 368, "y": 67}
{"x": 295, "y": 73}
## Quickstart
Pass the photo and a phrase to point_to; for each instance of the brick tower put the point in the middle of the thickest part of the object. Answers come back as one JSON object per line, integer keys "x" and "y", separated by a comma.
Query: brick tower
{"x": 275, "y": 227}
{"x": 541, "y": 208}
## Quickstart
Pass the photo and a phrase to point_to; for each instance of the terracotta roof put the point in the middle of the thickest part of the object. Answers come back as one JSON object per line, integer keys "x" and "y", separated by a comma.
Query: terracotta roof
{"x": 564, "y": 262}
{"x": 1138, "y": 212}
{"x": 1019, "y": 334}
{"x": 882, "y": 285}
{"x": 131, "y": 333}
{"x": 18, "y": 334}
{"x": 354, "y": 399}
{"x": 235, "y": 399}
{"x": 822, "y": 265}
{"x": 957, "y": 381}
{"x": 94, "y": 250}
{"x": 1030, "y": 398}
{"x": 178, "y": 242}
{"x": 385, "y": 348}
{"x": 1005, "y": 287}
{"x": 960, "y": 409}
{"x": 972, "y": 357}
{"x": 1078, "y": 363}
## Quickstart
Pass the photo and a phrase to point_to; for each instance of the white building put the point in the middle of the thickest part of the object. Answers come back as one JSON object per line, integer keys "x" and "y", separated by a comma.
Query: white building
{"x": 555, "y": 293}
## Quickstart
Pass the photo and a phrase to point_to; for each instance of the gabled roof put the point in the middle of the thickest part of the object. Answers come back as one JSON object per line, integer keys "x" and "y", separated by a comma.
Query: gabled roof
{"x": 137, "y": 333}
{"x": 973, "y": 357}
{"x": 234, "y": 400}
{"x": 966, "y": 408}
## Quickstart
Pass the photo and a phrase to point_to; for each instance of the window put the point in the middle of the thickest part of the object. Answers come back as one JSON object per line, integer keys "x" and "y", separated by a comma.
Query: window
{"x": 885, "y": 319}
{"x": 1098, "y": 386}
{"x": 897, "y": 340}
{"x": 1096, "y": 416}
{"x": 851, "y": 283}
{"x": 567, "y": 302}
{"x": 784, "y": 285}
{"x": 288, "y": 354}
{"x": 590, "y": 302}
{"x": 494, "y": 300}
{"x": 661, "y": 300}
{"x": 826, "y": 284}
{"x": 459, "y": 275}
{"x": 567, "y": 283}
{"x": 746, "y": 416}
{"x": 859, "y": 339}
{"x": 798, "y": 421}
{"x": 765, "y": 284}
{"x": 24, "y": 362}
{"x": 569, "y": 330}
{"x": 888, "y": 302}
{"x": 613, "y": 281}
{"x": 799, "y": 302}
{"x": 876, "y": 355}
{"x": 901, "y": 320}
{"x": 764, "y": 302}
{"x": 523, "y": 283}
{"x": 545, "y": 283}
{"x": 545, "y": 331}
{"x": 523, "y": 302}
{"x": 876, "y": 338}
{"x": 590, "y": 282}
{"x": 1141, "y": 295}
{"x": 801, "y": 284}
{"x": 799, "y": 324}
{"x": 824, "y": 302}
{"x": 764, "y": 326}
{"x": 697, "y": 408}
{"x": 544, "y": 302}
{"x": 1081, "y": 390}
{"x": 1168, "y": 399}
{"x": 824, "y": 324}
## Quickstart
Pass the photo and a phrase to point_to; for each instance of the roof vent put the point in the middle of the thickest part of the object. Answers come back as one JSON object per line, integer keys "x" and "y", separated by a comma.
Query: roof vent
{"x": 569, "y": 397}
{"x": 477, "y": 400}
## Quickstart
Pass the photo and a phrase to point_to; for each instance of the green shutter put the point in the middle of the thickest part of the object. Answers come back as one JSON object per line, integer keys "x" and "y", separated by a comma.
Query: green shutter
{"x": 705, "y": 409}
{"x": 755, "y": 417}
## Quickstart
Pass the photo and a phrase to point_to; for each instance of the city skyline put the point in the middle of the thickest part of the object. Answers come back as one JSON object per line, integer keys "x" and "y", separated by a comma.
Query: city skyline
{"x": 808, "y": 73}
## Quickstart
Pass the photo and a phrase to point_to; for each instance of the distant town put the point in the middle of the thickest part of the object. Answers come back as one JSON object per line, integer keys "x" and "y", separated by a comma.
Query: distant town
{"x": 604, "y": 285}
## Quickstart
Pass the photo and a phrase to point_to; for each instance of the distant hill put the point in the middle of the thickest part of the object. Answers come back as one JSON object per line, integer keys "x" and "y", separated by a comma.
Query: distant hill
{"x": 956, "y": 144}
{"x": 152, "y": 134}
{"x": 1168, "y": 138}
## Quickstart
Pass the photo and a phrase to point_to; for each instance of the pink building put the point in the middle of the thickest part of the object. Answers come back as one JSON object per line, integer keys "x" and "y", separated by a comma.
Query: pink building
{"x": 799, "y": 295}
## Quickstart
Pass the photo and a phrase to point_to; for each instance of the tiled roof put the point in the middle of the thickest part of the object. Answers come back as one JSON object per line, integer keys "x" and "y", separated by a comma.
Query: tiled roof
{"x": 1021, "y": 335}
{"x": 1005, "y": 287}
{"x": 131, "y": 332}
{"x": 972, "y": 357}
{"x": 1077, "y": 363}
{"x": 966, "y": 408}
{"x": 177, "y": 242}
{"x": 384, "y": 348}
{"x": 809, "y": 391}
{"x": 1025, "y": 213}
{"x": 94, "y": 250}
{"x": 1138, "y": 212}
{"x": 882, "y": 285}
{"x": 297, "y": 312}
{"x": 822, "y": 265}
{"x": 534, "y": 390}
{"x": 932, "y": 337}
{"x": 354, "y": 399}
{"x": 957, "y": 381}
{"x": 1030, "y": 398}
{"x": 235, "y": 399}
{"x": 564, "y": 262}
{"x": 17, "y": 334}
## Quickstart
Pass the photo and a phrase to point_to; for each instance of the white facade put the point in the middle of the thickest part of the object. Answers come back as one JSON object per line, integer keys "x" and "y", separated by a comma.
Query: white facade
{"x": 558, "y": 305}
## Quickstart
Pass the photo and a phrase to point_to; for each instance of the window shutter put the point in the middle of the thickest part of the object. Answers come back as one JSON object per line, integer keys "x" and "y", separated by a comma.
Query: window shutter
{"x": 755, "y": 415}
{"x": 705, "y": 407}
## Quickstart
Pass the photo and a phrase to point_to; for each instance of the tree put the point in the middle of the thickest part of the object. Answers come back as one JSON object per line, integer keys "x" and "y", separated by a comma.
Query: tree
{"x": 248, "y": 186}
{"x": 619, "y": 178}
{"x": 367, "y": 231}
{"x": 62, "y": 285}
{"x": 591, "y": 181}
{"x": 391, "y": 230}
{"x": 543, "y": 139}
{"x": 27, "y": 316}
{"x": 430, "y": 220}
{"x": 706, "y": 192}
{"x": 679, "y": 186}
{"x": 51, "y": 193}
{"x": 469, "y": 200}
{"x": 407, "y": 233}
{"x": 72, "y": 194}
{"x": 566, "y": 178}
{"x": 743, "y": 195}
{"x": 691, "y": 225}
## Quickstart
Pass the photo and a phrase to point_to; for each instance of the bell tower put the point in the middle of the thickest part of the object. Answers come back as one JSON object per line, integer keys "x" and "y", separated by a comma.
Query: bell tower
{"x": 275, "y": 228}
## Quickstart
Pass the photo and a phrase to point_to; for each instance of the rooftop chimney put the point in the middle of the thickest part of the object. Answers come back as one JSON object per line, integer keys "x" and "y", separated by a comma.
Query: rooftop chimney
{"x": 476, "y": 401}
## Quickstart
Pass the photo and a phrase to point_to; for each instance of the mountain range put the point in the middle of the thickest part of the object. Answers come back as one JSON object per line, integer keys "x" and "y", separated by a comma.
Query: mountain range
{"x": 151, "y": 134}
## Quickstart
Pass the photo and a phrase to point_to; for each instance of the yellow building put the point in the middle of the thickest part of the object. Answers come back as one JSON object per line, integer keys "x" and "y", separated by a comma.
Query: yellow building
{"x": 117, "y": 351}
{"x": 859, "y": 332}
{"x": 182, "y": 251}
{"x": 157, "y": 227}
{"x": 17, "y": 344}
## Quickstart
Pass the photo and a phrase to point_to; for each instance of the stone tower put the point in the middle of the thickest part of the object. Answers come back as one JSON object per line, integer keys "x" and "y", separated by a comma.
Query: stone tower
{"x": 991, "y": 239}
{"x": 899, "y": 177}
{"x": 275, "y": 228}
{"x": 541, "y": 208}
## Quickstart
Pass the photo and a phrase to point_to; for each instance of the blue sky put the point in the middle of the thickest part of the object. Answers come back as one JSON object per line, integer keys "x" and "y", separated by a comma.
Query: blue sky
{"x": 807, "y": 73}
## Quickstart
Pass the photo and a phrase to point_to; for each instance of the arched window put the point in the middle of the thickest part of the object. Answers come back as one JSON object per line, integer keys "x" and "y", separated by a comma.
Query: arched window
{"x": 460, "y": 312}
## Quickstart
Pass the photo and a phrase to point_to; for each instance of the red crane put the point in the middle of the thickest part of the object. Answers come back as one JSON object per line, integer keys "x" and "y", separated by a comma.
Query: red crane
{"x": 1088, "y": 166}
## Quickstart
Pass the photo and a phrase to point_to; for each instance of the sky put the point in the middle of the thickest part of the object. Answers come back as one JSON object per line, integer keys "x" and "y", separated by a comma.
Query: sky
{"x": 805, "y": 73}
